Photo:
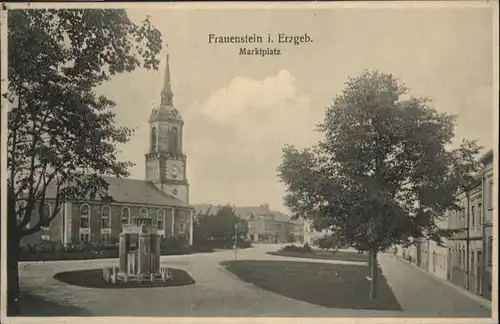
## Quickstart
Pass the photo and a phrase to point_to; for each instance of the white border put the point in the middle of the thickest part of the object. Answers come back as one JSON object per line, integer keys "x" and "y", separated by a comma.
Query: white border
{"x": 255, "y": 5}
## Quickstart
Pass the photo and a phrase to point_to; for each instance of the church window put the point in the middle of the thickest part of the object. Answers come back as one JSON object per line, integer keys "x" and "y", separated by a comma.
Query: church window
{"x": 143, "y": 213}
{"x": 174, "y": 140}
{"x": 153, "y": 139}
{"x": 125, "y": 215}
{"x": 85, "y": 216}
{"x": 45, "y": 228}
{"x": 160, "y": 219}
{"x": 105, "y": 217}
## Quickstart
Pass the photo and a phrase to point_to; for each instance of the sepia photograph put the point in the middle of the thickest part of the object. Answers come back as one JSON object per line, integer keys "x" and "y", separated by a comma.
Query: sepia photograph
{"x": 308, "y": 160}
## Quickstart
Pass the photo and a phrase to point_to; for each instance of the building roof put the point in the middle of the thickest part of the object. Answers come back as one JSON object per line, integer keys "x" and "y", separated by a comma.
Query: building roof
{"x": 245, "y": 212}
{"x": 133, "y": 191}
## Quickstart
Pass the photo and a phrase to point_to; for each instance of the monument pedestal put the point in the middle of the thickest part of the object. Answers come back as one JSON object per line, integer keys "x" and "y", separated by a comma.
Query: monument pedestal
{"x": 139, "y": 253}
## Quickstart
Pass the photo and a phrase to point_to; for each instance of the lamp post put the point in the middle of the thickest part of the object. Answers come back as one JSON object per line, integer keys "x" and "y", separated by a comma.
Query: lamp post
{"x": 236, "y": 241}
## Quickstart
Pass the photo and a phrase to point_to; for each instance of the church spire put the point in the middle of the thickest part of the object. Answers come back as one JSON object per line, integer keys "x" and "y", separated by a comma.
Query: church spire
{"x": 166, "y": 92}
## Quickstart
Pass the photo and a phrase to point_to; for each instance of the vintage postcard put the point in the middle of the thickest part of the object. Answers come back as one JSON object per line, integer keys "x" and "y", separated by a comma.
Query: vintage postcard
{"x": 262, "y": 162}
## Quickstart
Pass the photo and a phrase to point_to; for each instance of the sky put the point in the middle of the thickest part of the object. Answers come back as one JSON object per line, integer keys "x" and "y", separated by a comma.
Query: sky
{"x": 240, "y": 111}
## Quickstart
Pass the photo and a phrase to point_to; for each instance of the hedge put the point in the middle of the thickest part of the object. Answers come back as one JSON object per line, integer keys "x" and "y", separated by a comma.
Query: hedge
{"x": 51, "y": 251}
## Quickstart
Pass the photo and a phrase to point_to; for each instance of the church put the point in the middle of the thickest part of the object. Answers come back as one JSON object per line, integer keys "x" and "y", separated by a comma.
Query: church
{"x": 162, "y": 196}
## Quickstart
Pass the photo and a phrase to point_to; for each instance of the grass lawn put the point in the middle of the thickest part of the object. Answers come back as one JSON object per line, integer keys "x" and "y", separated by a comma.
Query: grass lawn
{"x": 324, "y": 284}
{"x": 93, "y": 278}
{"x": 33, "y": 305}
{"x": 319, "y": 254}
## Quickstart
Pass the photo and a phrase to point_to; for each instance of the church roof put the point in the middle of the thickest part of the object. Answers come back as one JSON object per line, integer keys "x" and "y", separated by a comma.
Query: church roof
{"x": 166, "y": 110}
{"x": 133, "y": 191}
{"x": 165, "y": 113}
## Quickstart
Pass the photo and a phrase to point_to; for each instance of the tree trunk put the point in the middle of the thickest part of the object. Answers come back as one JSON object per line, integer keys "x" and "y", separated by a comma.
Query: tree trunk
{"x": 369, "y": 265}
{"x": 373, "y": 274}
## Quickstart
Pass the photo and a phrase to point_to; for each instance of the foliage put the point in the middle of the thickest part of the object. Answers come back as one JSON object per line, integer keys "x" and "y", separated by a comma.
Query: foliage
{"x": 219, "y": 227}
{"x": 173, "y": 244}
{"x": 383, "y": 174}
{"x": 62, "y": 136}
{"x": 299, "y": 249}
{"x": 332, "y": 241}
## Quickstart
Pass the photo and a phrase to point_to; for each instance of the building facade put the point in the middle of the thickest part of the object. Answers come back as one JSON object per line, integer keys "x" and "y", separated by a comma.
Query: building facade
{"x": 466, "y": 258}
{"x": 264, "y": 225}
{"x": 488, "y": 209}
{"x": 162, "y": 196}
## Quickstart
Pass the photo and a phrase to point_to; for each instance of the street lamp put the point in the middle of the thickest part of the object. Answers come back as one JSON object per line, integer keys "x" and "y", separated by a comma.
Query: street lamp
{"x": 235, "y": 241}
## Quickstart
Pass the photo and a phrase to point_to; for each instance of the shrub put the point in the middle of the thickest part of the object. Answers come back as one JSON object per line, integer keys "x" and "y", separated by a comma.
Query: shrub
{"x": 297, "y": 249}
{"x": 243, "y": 244}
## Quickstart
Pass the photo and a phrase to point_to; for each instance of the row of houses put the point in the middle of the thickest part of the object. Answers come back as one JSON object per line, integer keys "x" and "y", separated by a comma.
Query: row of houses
{"x": 264, "y": 225}
{"x": 466, "y": 258}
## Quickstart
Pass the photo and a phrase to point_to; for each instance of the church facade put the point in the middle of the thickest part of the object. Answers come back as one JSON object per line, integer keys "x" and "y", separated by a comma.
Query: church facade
{"x": 162, "y": 196}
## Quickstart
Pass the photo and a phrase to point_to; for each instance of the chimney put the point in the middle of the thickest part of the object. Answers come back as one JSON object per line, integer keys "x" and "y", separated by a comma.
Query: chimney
{"x": 265, "y": 206}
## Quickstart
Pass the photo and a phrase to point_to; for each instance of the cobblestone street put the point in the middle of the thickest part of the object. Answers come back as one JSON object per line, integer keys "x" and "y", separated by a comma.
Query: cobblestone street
{"x": 219, "y": 293}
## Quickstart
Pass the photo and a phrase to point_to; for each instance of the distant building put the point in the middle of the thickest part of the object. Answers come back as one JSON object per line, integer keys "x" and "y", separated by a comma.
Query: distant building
{"x": 264, "y": 225}
{"x": 162, "y": 196}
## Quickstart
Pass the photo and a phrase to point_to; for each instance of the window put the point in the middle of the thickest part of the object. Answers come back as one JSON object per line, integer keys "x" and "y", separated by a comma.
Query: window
{"x": 490, "y": 250}
{"x": 85, "y": 216}
{"x": 143, "y": 213}
{"x": 106, "y": 237}
{"x": 125, "y": 215}
{"x": 46, "y": 213}
{"x": 480, "y": 213}
{"x": 153, "y": 139}
{"x": 160, "y": 219}
{"x": 182, "y": 228}
{"x": 473, "y": 215}
{"x": 105, "y": 217}
{"x": 472, "y": 262}
{"x": 489, "y": 195}
{"x": 45, "y": 233}
{"x": 463, "y": 259}
{"x": 84, "y": 237}
{"x": 174, "y": 141}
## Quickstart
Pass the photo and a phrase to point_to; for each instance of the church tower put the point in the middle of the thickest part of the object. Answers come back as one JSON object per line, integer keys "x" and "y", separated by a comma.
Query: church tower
{"x": 165, "y": 160}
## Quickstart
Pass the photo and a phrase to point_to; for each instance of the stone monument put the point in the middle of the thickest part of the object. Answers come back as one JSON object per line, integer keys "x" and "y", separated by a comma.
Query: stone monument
{"x": 139, "y": 254}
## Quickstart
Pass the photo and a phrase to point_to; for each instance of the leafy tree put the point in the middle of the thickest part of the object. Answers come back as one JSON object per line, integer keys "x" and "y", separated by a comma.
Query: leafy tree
{"x": 62, "y": 136}
{"x": 221, "y": 226}
{"x": 383, "y": 174}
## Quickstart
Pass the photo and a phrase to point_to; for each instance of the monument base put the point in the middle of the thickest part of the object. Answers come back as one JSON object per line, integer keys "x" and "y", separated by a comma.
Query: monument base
{"x": 112, "y": 275}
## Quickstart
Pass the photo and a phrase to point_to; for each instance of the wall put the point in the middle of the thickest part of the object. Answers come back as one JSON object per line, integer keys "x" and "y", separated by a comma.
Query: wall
{"x": 71, "y": 218}
{"x": 438, "y": 257}
{"x": 489, "y": 209}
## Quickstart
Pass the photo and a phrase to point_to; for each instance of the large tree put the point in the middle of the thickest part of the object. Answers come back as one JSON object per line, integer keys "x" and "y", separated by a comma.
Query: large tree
{"x": 62, "y": 136}
{"x": 384, "y": 173}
